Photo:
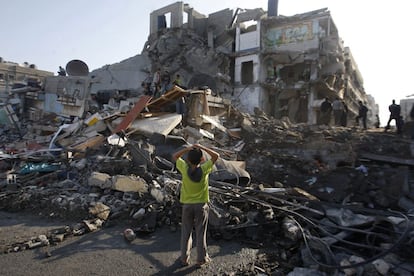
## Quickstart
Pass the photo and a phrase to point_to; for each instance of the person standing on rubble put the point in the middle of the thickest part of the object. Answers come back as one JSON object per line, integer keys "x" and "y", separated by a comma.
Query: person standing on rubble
{"x": 344, "y": 116}
{"x": 326, "y": 110}
{"x": 362, "y": 114}
{"x": 412, "y": 119}
{"x": 165, "y": 82}
{"x": 180, "y": 107}
{"x": 377, "y": 121}
{"x": 146, "y": 85}
{"x": 177, "y": 81}
{"x": 194, "y": 197}
{"x": 395, "y": 114}
{"x": 156, "y": 83}
{"x": 62, "y": 71}
{"x": 337, "y": 107}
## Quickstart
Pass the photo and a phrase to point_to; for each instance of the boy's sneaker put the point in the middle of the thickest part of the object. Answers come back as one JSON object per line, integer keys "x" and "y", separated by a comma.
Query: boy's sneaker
{"x": 205, "y": 262}
{"x": 183, "y": 263}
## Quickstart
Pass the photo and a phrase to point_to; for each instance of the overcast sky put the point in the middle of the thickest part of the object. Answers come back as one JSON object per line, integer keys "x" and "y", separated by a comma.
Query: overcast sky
{"x": 50, "y": 33}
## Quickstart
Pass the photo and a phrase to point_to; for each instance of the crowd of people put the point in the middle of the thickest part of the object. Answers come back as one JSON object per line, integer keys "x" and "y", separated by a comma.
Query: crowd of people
{"x": 339, "y": 110}
{"x": 340, "y": 115}
{"x": 160, "y": 82}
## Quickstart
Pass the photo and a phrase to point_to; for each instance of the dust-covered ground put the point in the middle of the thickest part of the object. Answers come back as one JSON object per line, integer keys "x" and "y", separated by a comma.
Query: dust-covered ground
{"x": 106, "y": 252}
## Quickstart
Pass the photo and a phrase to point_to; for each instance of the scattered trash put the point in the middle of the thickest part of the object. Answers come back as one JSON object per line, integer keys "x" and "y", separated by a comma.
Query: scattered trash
{"x": 129, "y": 234}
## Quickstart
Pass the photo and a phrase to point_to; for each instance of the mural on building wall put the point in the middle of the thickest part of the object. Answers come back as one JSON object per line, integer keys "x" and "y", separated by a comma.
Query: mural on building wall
{"x": 297, "y": 33}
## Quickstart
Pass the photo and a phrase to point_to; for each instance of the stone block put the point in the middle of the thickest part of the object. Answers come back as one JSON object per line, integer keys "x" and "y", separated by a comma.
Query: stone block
{"x": 129, "y": 184}
{"x": 101, "y": 180}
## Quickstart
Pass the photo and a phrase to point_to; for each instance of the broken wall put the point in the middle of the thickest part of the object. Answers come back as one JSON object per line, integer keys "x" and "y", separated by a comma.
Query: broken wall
{"x": 248, "y": 40}
{"x": 219, "y": 21}
{"x": 125, "y": 75}
{"x": 247, "y": 98}
{"x": 304, "y": 53}
{"x": 65, "y": 95}
{"x": 157, "y": 17}
{"x": 184, "y": 52}
{"x": 288, "y": 46}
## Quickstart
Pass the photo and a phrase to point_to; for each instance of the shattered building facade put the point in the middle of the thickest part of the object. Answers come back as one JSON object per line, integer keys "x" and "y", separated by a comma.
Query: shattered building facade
{"x": 64, "y": 95}
{"x": 20, "y": 78}
{"x": 12, "y": 73}
{"x": 284, "y": 65}
{"x": 296, "y": 62}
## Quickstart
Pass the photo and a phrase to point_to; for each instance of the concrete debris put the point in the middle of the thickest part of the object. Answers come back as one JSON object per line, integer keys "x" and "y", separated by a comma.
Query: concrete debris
{"x": 129, "y": 183}
{"x": 290, "y": 229}
{"x": 101, "y": 180}
{"x": 157, "y": 194}
{"x": 381, "y": 266}
{"x": 317, "y": 199}
{"x": 317, "y": 189}
{"x": 100, "y": 210}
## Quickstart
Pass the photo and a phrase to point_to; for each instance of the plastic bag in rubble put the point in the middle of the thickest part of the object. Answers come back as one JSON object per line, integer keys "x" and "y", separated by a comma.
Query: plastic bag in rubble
{"x": 39, "y": 167}
{"x": 362, "y": 169}
{"x": 157, "y": 194}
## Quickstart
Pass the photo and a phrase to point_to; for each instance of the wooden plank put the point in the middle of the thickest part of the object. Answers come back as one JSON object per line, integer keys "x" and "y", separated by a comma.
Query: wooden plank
{"x": 210, "y": 104}
{"x": 44, "y": 128}
{"x": 89, "y": 143}
{"x": 167, "y": 98}
{"x": 388, "y": 159}
{"x": 133, "y": 113}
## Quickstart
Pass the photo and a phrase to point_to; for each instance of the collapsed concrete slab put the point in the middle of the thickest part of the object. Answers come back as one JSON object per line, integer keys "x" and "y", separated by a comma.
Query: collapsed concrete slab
{"x": 163, "y": 124}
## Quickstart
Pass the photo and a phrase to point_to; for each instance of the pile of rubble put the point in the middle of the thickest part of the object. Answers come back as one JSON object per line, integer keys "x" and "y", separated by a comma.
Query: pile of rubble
{"x": 310, "y": 197}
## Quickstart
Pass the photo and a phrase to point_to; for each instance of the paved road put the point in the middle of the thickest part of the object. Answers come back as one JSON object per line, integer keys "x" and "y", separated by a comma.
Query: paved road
{"x": 105, "y": 252}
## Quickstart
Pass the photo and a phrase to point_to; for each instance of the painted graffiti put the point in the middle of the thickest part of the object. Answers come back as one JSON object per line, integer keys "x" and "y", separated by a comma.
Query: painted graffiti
{"x": 276, "y": 37}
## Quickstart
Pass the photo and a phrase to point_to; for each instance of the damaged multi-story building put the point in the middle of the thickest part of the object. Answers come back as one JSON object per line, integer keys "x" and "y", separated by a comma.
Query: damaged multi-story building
{"x": 12, "y": 75}
{"x": 283, "y": 65}
{"x": 287, "y": 65}
{"x": 15, "y": 80}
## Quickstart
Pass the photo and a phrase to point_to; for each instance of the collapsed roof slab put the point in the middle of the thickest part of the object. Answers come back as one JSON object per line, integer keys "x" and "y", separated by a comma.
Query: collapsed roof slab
{"x": 248, "y": 15}
{"x": 163, "y": 124}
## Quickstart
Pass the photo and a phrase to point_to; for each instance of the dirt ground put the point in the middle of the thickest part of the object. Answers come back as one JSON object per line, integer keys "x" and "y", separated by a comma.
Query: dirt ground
{"x": 106, "y": 252}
